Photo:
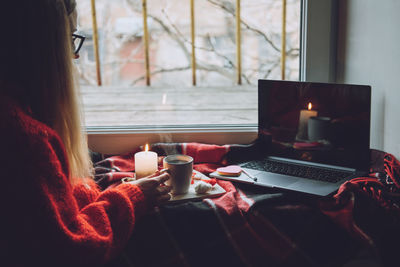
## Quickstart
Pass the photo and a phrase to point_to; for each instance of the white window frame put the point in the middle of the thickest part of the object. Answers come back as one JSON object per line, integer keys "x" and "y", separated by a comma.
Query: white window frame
{"x": 317, "y": 63}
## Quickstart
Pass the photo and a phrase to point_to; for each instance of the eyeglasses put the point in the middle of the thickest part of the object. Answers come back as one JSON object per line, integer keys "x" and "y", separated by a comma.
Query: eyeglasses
{"x": 77, "y": 41}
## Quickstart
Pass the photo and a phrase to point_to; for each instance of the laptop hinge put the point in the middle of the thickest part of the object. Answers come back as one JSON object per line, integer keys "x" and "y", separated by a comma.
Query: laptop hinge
{"x": 311, "y": 164}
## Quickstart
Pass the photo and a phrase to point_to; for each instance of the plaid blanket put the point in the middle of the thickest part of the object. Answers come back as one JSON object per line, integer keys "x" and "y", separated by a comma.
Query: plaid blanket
{"x": 251, "y": 226}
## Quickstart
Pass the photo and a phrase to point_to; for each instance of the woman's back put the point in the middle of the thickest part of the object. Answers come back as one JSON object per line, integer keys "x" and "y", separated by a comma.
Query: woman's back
{"x": 45, "y": 219}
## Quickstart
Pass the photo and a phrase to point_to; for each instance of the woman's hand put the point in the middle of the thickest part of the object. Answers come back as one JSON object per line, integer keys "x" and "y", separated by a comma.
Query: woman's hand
{"x": 153, "y": 188}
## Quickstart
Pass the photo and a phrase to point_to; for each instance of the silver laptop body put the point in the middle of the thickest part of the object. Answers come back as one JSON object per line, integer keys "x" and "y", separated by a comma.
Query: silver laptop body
{"x": 314, "y": 136}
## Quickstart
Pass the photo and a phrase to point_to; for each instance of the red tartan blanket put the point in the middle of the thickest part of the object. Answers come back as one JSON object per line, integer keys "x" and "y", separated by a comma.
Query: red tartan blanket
{"x": 206, "y": 159}
{"x": 249, "y": 226}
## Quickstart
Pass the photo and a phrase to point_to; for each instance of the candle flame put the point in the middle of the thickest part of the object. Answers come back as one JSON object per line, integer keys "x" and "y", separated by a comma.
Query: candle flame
{"x": 309, "y": 106}
{"x": 146, "y": 147}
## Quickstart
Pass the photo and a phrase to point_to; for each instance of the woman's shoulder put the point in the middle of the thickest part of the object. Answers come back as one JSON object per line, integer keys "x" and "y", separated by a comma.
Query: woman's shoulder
{"x": 24, "y": 140}
{"x": 17, "y": 122}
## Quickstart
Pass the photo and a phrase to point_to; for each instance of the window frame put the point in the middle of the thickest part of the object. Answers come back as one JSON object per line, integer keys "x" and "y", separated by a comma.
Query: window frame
{"x": 317, "y": 48}
{"x": 318, "y": 40}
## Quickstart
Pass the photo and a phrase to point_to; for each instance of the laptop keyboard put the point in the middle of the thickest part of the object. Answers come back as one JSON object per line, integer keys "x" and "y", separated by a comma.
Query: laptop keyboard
{"x": 309, "y": 172}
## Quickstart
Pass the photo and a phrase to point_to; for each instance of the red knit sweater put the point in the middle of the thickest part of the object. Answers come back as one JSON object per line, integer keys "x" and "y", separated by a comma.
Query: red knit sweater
{"x": 45, "y": 221}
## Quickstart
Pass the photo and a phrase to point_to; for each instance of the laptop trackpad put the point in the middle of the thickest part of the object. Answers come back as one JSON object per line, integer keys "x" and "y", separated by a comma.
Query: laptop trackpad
{"x": 274, "y": 179}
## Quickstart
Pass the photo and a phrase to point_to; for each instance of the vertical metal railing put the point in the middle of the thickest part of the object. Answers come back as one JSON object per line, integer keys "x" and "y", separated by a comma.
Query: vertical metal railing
{"x": 96, "y": 42}
{"x": 192, "y": 23}
{"x": 193, "y": 47}
{"x": 146, "y": 42}
{"x": 283, "y": 48}
{"x": 238, "y": 44}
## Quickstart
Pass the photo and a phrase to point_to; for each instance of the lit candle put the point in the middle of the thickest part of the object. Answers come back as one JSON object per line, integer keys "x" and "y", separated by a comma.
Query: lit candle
{"x": 305, "y": 115}
{"x": 145, "y": 163}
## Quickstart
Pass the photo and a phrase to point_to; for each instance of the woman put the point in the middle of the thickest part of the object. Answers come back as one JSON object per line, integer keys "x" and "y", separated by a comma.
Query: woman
{"x": 53, "y": 213}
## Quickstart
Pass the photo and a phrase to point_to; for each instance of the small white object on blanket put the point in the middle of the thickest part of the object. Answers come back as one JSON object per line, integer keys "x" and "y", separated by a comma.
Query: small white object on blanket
{"x": 202, "y": 187}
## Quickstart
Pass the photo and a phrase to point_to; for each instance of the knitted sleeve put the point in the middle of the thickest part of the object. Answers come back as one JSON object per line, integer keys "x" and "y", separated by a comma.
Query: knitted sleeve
{"x": 85, "y": 192}
{"x": 53, "y": 223}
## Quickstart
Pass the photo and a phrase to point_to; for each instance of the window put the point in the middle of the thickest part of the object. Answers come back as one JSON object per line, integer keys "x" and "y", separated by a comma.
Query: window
{"x": 124, "y": 98}
{"x": 188, "y": 91}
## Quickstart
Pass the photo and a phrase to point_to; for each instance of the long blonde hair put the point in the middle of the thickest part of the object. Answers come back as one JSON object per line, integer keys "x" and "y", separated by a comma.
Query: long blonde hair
{"x": 39, "y": 61}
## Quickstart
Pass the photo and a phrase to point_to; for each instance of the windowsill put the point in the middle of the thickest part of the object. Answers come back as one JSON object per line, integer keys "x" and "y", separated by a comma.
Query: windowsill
{"x": 120, "y": 106}
{"x": 117, "y": 140}
{"x": 194, "y": 114}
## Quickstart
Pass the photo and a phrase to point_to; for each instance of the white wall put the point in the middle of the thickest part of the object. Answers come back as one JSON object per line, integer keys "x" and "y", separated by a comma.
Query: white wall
{"x": 369, "y": 53}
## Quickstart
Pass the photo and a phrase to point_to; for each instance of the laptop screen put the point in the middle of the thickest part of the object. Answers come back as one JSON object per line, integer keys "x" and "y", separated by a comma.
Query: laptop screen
{"x": 316, "y": 122}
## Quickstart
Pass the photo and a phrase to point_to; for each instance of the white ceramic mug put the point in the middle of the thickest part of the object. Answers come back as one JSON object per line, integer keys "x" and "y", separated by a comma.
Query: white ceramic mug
{"x": 180, "y": 168}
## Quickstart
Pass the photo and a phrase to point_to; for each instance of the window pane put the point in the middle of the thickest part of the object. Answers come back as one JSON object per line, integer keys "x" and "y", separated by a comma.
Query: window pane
{"x": 262, "y": 39}
{"x": 125, "y": 100}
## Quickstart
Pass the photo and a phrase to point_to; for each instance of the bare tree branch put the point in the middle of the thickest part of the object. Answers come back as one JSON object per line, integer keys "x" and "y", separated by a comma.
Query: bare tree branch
{"x": 270, "y": 70}
{"x": 208, "y": 38}
{"x": 170, "y": 28}
{"x": 200, "y": 65}
{"x": 217, "y": 53}
{"x": 228, "y": 10}
{"x": 141, "y": 78}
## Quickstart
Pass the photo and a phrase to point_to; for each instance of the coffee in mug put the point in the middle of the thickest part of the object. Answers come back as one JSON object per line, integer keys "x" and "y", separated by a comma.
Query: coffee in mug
{"x": 180, "y": 168}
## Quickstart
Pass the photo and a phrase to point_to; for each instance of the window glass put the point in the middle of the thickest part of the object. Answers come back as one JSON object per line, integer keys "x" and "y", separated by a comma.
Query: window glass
{"x": 124, "y": 99}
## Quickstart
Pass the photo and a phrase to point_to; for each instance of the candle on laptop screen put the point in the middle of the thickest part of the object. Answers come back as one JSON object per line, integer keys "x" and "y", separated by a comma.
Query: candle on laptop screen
{"x": 305, "y": 115}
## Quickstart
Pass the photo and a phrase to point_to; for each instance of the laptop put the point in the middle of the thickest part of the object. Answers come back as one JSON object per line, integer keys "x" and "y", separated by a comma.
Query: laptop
{"x": 314, "y": 136}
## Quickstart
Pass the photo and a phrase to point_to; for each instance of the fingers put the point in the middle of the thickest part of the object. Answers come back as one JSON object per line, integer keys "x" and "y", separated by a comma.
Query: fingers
{"x": 162, "y": 190}
{"x": 163, "y": 198}
{"x": 157, "y": 173}
{"x": 154, "y": 189}
{"x": 162, "y": 178}
{"x": 162, "y": 195}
